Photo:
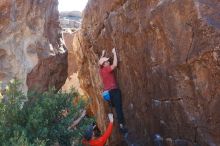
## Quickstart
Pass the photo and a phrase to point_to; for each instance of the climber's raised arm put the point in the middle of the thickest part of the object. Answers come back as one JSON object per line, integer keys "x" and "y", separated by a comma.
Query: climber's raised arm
{"x": 115, "y": 60}
{"x": 103, "y": 53}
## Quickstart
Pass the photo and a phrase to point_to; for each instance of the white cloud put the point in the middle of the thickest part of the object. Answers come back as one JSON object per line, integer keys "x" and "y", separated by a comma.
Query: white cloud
{"x": 72, "y": 5}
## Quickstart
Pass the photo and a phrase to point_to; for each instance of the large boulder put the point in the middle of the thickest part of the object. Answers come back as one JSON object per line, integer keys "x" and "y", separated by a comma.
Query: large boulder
{"x": 169, "y": 70}
{"x": 30, "y": 49}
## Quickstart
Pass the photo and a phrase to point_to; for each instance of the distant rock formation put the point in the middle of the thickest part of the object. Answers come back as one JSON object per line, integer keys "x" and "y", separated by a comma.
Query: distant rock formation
{"x": 30, "y": 49}
{"x": 70, "y": 19}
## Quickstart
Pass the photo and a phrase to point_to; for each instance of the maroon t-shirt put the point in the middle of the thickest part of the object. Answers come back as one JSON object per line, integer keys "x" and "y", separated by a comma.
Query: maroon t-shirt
{"x": 108, "y": 78}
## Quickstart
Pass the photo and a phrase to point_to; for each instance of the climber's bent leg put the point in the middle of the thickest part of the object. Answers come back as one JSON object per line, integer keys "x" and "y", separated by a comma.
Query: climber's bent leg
{"x": 117, "y": 103}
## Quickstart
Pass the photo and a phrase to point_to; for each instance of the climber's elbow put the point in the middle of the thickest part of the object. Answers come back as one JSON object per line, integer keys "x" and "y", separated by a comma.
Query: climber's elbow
{"x": 113, "y": 66}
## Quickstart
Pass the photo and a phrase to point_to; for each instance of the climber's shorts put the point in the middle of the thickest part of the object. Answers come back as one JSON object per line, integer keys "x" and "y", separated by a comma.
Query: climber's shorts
{"x": 106, "y": 95}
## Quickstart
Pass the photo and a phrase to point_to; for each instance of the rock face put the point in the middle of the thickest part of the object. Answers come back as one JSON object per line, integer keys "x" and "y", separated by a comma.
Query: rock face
{"x": 169, "y": 65}
{"x": 29, "y": 44}
{"x": 73, "y": 68}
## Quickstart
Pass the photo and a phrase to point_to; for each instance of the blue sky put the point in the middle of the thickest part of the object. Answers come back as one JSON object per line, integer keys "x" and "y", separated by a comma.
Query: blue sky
{"x": 72, "y": 5}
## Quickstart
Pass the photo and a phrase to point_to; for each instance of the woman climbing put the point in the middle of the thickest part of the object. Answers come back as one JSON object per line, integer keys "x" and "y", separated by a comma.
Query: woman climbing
{"x": 111, "y": 88}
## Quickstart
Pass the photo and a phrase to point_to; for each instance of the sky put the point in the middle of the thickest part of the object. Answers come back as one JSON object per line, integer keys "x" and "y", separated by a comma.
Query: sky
{"x": 72, "y": 5}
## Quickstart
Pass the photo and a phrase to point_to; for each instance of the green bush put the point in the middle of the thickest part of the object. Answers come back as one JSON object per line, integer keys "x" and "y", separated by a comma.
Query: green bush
{"x": 37, "y": 119}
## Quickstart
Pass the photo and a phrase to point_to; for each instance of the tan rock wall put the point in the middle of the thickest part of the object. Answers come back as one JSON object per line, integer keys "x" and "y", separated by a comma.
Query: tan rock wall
{"x": 29, "y": 44}
{"x": 73, "y": 68}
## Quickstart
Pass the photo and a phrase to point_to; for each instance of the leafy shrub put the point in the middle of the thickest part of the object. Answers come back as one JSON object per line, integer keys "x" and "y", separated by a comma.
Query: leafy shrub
{"x": 41, "y": 120}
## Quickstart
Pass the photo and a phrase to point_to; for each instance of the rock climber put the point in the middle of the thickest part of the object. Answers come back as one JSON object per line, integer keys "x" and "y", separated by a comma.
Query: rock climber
{"x": 110, "y": 85}
{"x": 89, "y": 136}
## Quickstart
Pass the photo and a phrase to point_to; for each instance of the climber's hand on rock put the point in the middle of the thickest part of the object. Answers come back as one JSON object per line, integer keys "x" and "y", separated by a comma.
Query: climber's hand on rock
{"x": 113, "y": 51}
{"x": 110, "y": 116}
